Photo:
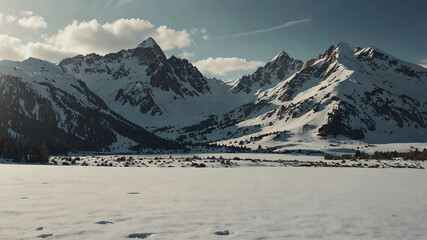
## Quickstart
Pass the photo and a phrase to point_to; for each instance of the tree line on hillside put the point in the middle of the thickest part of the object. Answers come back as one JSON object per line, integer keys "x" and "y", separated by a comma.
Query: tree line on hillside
{"x": 28, "y": 152}
{"x": 412, "y": 155}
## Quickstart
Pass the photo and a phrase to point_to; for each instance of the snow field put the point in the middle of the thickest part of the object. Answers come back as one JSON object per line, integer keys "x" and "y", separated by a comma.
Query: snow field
{"x": 61, "y": 202}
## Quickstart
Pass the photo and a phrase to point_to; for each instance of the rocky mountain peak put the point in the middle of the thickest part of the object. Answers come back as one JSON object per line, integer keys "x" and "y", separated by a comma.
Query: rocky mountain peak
{"x": 282, "y": 54}
{"x": 149, "y": 49}
{"x": 278, "y": 69}
{"x": 334, "y": 52}
{"x": 147, "y": 43}
{"x": 350, "y": 93}
{"x": 32, "y": 60}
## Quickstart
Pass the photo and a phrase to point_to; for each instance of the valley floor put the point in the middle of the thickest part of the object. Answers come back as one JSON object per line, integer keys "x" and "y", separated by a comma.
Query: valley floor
{"x": 62, "y": 202}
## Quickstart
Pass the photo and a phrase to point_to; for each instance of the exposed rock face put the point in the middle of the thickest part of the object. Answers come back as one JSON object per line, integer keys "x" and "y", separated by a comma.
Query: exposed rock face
{"x": 90, "y": 101}
{"x": 352, "y": 93}
{"x": 278, "y": 69}
{"x": 141, "y": 78}
{"x": 41, "y": 103}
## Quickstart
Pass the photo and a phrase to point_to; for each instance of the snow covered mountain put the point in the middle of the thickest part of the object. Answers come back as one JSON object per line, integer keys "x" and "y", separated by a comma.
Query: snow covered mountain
{"x": 346, "y": 93}
{"x": 148, "y": 88}
{"x": 278, "y": 69}
{"x": 353, "y": 96}
{"x": 42, "y": 103}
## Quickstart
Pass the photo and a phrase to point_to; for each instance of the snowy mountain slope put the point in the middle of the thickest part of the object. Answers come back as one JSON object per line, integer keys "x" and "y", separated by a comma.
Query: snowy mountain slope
{"x": 281, "y": 67}
{"x": 150, "y": 89}
{"x": 241, "y": 92}
{"x": 346, "y": 96}
{"x": 41, "y": 103}
{"x": 346, "y": 93}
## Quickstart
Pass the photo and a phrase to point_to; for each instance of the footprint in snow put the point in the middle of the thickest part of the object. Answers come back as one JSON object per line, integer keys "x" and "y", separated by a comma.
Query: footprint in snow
{"x": 104, "y": 222}
{"x": 39, "y": 228}
{"x": 222, "y": 233}
{"x": 133, "y": 193}
{"x": 139, "y": 235}
{"x": 121, "y": 219}
{"x": 24, "y": 197}
{"x": 44, "y": 235}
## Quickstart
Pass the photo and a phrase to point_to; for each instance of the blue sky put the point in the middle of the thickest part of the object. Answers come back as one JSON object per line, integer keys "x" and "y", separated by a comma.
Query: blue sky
{"x": 226, "y": 38}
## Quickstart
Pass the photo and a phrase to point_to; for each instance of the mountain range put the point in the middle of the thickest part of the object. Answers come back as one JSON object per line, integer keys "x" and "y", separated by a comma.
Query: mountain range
{"x": 138, "y": 98}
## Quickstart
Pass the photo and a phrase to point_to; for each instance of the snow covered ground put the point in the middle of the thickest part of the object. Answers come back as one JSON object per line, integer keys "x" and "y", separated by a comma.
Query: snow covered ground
{"x": 62, "y": 202}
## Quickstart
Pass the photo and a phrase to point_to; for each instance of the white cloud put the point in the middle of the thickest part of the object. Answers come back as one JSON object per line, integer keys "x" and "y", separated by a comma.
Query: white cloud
{"x": 423, "y": 65}
{"x": 169, "y": 38}
{"x": 187, "y": 55}
{"x": 194, "y": 30}
{"x": 284, "y": 25}
{"x": 204, "y": 36}
{"x": 118, "y": 4}
{"x": 11, "y": 18}
{"x": 11, "y": 48}
{"x": 27, "y": 13}
{"x": 47, "y": 52}
{"x": 34, "y": 22}
{"x": 123, "y": 2}
{"x": 87, "y": 37}
{"x": 221, "y": 66}
{"x": 24, "y": 19}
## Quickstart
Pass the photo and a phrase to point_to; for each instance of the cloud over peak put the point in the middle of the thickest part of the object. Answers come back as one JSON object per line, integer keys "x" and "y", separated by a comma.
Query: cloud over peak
{"x": 91, "y": 36}
{"x": 221, "y": 66}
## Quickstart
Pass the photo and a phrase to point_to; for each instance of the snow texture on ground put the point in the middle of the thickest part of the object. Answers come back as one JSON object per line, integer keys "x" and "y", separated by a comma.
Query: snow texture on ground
{"x": 61, "y": 202}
